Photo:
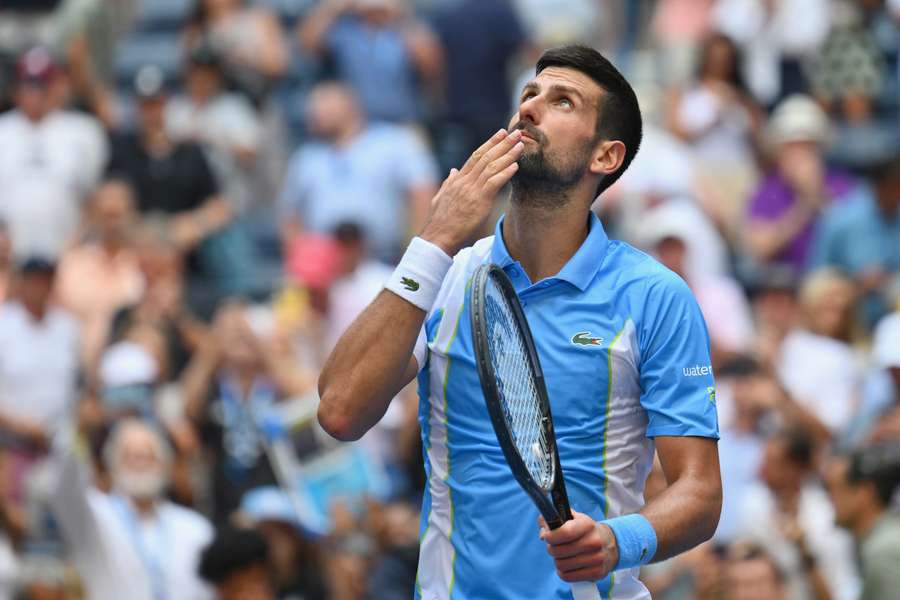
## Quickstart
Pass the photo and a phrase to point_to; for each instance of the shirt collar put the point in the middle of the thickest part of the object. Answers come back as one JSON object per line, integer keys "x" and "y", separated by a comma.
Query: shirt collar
{"x": 581, "y": 268}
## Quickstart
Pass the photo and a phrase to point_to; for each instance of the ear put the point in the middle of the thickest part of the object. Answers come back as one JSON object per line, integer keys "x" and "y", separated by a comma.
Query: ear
{"x": 608, "y": 157}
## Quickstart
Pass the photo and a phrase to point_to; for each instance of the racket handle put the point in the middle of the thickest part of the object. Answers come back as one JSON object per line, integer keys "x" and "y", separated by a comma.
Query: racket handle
{"x": 585, "y": 590}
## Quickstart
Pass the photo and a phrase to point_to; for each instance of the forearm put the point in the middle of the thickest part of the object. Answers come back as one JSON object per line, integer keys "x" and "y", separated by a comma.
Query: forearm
{"x": 686, "y": 513}
{"x": 314, "y": 28}
{"x": 369, "y": 366}
{"x": 765, "y": 240}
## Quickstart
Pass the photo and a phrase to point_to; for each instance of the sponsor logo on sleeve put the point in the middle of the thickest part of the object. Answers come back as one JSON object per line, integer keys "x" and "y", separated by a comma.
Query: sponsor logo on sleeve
{"x": 697, "y": 371}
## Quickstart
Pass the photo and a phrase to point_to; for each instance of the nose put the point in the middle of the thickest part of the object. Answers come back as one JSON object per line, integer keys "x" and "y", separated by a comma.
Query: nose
{"x": 530, "y": 110}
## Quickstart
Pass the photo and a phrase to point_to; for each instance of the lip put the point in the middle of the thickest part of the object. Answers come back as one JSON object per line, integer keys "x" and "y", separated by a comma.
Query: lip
{"x": 525, "y": 136}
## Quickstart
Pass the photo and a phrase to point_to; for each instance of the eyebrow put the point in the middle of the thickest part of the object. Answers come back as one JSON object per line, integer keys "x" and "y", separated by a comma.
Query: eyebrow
{"x": 556, "y": 87}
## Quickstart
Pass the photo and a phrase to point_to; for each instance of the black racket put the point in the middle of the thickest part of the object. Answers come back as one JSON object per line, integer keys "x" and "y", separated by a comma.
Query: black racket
{"x": 516, "y": 397}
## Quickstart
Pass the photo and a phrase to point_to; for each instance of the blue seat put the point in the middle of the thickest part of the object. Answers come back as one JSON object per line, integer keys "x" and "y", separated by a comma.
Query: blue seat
{"x": 162, "y": 15}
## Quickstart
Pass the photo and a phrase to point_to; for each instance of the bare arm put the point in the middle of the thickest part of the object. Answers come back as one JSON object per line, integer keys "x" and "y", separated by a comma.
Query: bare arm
{"x": 373, "y": 360}
{"x": 687, "y": 512}
{"x": 313, "y": 29}
{"x": 684, "y": 515}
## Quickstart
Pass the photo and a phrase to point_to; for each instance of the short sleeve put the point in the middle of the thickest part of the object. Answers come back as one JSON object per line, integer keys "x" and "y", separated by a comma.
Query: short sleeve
{"x": 677, "y": 387}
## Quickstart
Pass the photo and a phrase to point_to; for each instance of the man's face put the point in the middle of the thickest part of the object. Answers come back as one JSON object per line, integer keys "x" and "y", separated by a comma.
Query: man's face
{"x": 33, "y": 99}
{"x": 558, "y": 112}
{"x": 329, "y": 110}
{"x": 139, "y": 471}
{"x": 752, "y": 579}
{"x": 114, "y": 211}
{"x": 152, "y": 112}
{"x": 777, "y": 470}
{"x": 844, "y": 495}
{"x": 36, "y": 288}
{"x": 251, "y": 583}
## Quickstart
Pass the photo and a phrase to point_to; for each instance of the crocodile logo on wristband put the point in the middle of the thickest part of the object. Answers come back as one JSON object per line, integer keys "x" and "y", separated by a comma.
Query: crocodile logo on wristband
{"x": 410, "y": 284}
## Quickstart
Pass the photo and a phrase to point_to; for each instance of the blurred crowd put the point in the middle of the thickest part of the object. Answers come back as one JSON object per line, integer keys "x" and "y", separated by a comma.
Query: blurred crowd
{"x": 197, "y": 197}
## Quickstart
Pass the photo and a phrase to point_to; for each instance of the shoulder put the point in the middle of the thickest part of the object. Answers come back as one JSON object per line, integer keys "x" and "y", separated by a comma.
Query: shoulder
{"x": 640, "y": 277}
{"x": 10, "y": 121}
{"x": 187, "y": 522}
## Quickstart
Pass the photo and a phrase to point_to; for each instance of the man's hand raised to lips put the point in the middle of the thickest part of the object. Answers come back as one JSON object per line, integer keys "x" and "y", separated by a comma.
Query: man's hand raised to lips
{"x": 583, "y": 549}
{"x": 467, "y": 196}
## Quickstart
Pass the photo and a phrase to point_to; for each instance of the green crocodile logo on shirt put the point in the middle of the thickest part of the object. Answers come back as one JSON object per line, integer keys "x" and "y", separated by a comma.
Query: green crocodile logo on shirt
{"x": 410, "y": 284}
{"x": 583, "y": 338}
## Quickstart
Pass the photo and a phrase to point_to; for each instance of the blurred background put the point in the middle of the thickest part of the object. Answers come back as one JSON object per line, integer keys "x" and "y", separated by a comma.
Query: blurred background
{"x": 197, "y": 197}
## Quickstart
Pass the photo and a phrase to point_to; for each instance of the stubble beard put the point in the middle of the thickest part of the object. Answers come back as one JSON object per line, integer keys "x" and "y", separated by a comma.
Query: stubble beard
{"x": 545, "y": 179}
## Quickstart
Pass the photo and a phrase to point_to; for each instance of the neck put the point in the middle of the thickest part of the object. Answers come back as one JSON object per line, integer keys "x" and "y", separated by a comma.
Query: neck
{"x": 36, "y": 310}
{"x": 144, "y": 506}
{"x": 544, "y": 239}
{"x": 866, "y": 523}
{"x": 349, "y": 132}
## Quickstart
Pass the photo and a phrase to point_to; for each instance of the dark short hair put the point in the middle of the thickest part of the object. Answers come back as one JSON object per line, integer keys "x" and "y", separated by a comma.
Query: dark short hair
{"x": 799, "y": 446}
{"x": 618, "y": 116}
{"x": 878, "y": 464}
{"x": 232, "y": 550}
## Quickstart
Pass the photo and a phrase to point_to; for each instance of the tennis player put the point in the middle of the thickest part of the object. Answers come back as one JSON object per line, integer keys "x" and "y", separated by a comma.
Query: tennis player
{"x": 623, "y": 346}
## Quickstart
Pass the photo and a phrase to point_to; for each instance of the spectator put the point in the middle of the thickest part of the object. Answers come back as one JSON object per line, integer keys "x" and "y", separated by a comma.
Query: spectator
{"x": 752, "y": 574}
{"x": 296, "y": 562}
{"x": 249, "y": 39}
{"x": 39, "y": 364}
{"x": 718, "y": 117}
{"x": 101, "y": 274}
{"x": 862, "y": 489}
{"x": 790, "y": 514}
{"x": 862, "y": 237}
{"x": 380, "y": 50}
{"x": 51, "y": 160}
{"x": 817, "y": 364}
{"x": 878, "y": 417}
{"x": 6, "y": 262}
{"x": 130, "y": 542}
{"x": 228, "y": 387}
{"x": 773, "y": 294}
{"x": 235, "y": 563}
{"x": 481, "y": 41}
{"x": 786, "y": 206}
{"x": 379, "y": 176}
{"x": 174, "y": 181}
{"x": 226, "y": 124}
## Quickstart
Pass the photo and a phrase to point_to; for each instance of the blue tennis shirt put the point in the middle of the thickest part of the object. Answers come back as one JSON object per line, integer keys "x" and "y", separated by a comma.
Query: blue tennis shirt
{"x": 625, "y": 355}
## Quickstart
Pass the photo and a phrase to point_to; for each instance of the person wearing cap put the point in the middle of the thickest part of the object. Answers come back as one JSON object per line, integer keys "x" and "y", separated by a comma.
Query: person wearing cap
{"x": 51, "y": 160}
{"x": 175, "y": 182}
{"x": 225, "y": 123}
{"x": 862, "y": 237}
{"x": 39, "y": 365}
{"x": 296, "y": 562}
{"x": 863, "y": 488}
{"x": 783, "y": 211}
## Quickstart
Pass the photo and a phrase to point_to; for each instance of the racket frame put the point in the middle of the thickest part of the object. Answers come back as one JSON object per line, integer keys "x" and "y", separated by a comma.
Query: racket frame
{"x": 555, "y": 508}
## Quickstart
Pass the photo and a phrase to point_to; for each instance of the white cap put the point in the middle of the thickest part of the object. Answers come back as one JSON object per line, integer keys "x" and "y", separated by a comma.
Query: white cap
{"x": 798, "y": 119}
{"x": 886, "y": 349}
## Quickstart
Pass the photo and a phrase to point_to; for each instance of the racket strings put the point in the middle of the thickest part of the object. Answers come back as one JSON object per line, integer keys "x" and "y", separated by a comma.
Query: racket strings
{"x": 518, "y": 394}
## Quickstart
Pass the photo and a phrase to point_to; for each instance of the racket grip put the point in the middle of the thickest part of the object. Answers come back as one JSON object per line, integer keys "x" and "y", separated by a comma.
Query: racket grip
{"x": 585, "y": 590}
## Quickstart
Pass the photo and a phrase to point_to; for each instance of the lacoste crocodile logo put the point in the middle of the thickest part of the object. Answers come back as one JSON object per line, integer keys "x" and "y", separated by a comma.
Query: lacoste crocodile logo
{"x": 411, "y": 284}
{"x": 584, "y": 338}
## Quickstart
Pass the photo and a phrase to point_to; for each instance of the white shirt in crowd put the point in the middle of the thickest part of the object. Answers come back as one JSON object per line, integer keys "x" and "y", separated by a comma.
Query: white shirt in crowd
{"x": 38, "y": 365}
{"x": 119, "y": 555}
{"x": 822, "y": 374}
{"x": 831, "y": 546}
{"x": 46, "y": 170}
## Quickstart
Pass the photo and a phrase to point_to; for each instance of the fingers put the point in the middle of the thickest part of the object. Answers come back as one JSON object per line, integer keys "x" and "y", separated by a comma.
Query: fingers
{"x": 570, "y": 531}
{"x": 497, "y": 181}
{"x": 593, "y": 560}
{"x": 586, "y": 574}
{"x": 510, "y": 145}
{"x": 483, "y": 149}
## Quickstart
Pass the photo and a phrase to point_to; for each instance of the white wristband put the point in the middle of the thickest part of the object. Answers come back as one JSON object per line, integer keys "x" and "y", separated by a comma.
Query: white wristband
{"x": 418, "y": 277}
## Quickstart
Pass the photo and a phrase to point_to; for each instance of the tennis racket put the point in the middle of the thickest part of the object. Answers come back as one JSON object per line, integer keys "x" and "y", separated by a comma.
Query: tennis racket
{"x": 516, "y": 397}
